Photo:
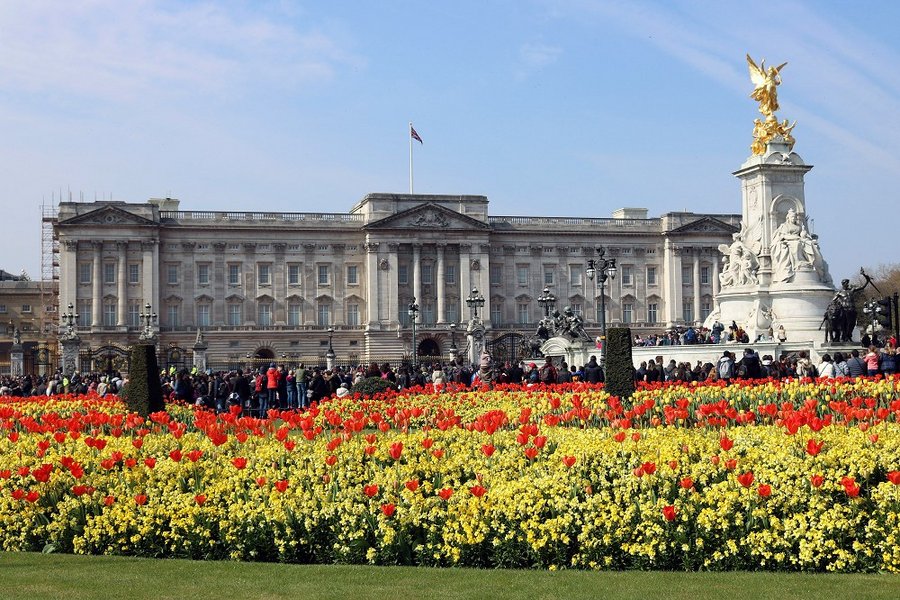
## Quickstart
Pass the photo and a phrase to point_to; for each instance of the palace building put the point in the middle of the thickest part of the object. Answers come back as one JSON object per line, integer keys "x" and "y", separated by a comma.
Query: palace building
{"x": 270, "y": 285}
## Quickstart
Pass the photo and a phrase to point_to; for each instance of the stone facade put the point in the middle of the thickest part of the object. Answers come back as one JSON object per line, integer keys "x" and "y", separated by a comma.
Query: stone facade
{"x": 270, "y": 284}
{"x": 22, "y": 309}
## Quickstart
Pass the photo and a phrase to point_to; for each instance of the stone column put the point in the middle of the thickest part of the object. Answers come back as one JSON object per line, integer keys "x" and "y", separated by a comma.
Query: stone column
{"x": 715, "y": 276}
{"x": 484, "y": 283}
{"x": 672, "y": 282}
{"x": 441, "y": 274}
{"x": 696, "y": 284}
{"x": 150, "y": 275}
{"x": 69, "y": 274}
{"x": 416, "y": 271}
{"x": 373, "y": 305}
{"x": 465, "y": 279}
{"x": 97, "y": 284}
{"x": 121, "y": 283}
{"x": 392, "y": 289}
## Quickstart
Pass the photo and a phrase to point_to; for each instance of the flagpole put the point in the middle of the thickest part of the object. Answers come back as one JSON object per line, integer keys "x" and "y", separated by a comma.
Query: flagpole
{"x": 409, "y": 135}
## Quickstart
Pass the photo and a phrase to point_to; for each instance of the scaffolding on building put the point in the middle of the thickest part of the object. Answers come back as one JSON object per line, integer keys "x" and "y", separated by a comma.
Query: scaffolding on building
{"x": 49, "y": 284}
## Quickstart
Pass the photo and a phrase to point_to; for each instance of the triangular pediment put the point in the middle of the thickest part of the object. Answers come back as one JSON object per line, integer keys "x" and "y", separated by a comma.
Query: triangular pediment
{"x": 705, "y": 225}
{"x": 429, "y": 216}
{"x": 109, "y": 215}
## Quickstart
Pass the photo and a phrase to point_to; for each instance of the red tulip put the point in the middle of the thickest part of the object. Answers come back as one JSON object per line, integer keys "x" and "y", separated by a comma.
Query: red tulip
{"x": 130, "y": 462}
{"x": 488, "y": 449}
{"x": 388, "y": 509}
{"x": 445, "y": 493}
{"x": 241, "y": 437}
{"x": 673, "y": 464}
{"x": 370, "y": 450}
{"x": 200, "y": 499}
{"x": 239, "y": 462}
{"x": 649, "y": 468}
{"x": 894, "y": 477}
{"x": 540, "y": 440}
{"x": 371, "y": 437}
{"x": 745, "y": 479}
{"x": 18, "y": 494}
{"x": 439, "y": 453}
{"x": 412, "y": 485}
{"x": 109, "y": 500}
{"x": 281, "y": 485}
{"x": 730, "y": 464}
{"x": 619, "y": 437}
{"x": 813, "y": 448}
{"x": 638, "y": 472}
{"x": 568, "y": 461}
{"x": 289, "y": 445}
{"x": 635, "y": 437}
{"x": 175, "y": 455}
{"x": 686, "y": 483}
{"x": 396, "y": 450}
{"x": 137, "y": 443}
{"x": 714, "y": 459}
{"x": 13, "y": 436}
{"x": 5, "y": 474}
{"x": 427, "y": 443}
{"x": 669, "y": 513}
{"x": 531, "y": 453}
{"x": 330, "y": 460}
{"x": 477, "y": 491}
{"x": 140, "y": 499}
{"x": 371, "y": 490}
{"x": 764, "y": 490}
{"x": 817, "y": 480}
{"x": 852, "y": 490}
{"x": 261, "y": 481}
{"x": 726, "y": 443}
{"x": 32, "y": 496}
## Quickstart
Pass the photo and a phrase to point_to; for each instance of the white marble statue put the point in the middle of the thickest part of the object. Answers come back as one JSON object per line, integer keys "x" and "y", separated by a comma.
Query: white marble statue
{"x": 794, "y": 249}
{"x": 740, "y": 264}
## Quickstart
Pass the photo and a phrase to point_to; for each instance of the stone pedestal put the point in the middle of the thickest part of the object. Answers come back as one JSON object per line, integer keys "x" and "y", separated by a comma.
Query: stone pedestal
{"x": 17, "y": 360}
{"x": 475, "y": 336}
{"x": 575, "y": 352}
{"x": 70, "y": 356}
{"x": 200, "y": 348}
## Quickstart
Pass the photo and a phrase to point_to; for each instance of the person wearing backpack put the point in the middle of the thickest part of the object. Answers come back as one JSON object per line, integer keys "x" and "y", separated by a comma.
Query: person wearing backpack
{"x": 725, "y": 367}
{"x": 548, "y": 374}
{"x": 222, "y": 391}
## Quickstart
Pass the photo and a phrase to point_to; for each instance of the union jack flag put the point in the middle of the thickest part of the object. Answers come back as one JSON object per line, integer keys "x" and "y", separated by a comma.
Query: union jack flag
{"x": 414, "y": 135}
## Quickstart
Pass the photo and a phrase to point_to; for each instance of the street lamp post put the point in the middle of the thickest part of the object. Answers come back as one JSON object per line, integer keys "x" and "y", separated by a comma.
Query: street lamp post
{"x": 603, "y": 268}
{"x": 547, "y": 301}
{"x": 413, "y": 310}
{"x": 330, "y": 355}
{"x": 475, "y": 301}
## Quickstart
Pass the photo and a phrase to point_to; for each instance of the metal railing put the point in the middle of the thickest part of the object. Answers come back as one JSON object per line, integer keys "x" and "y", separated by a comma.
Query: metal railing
{"x": 267, "y": 217}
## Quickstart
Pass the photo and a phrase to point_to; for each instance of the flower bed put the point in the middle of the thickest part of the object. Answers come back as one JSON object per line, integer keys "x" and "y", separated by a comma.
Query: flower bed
{"x": 793, "y": 476}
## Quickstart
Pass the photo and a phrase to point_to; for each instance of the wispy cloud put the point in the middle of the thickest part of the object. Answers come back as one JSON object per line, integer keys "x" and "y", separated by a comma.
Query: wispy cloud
{"x": 843, "y": 84}
{"x": 113, "y": 50}
{"x": 534, "y": 56}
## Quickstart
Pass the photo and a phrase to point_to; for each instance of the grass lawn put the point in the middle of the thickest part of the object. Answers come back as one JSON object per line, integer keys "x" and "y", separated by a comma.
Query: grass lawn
{"x": 37, "y": 576}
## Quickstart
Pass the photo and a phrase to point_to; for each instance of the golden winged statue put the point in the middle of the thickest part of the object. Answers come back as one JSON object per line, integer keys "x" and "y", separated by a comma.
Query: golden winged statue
{"x": 766, "y": 93}
{"x": 766, "y": 82}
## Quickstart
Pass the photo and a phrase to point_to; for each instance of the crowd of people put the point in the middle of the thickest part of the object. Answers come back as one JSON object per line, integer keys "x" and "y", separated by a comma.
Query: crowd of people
{"x": 717, "y": 334}
{"x": 284, "y": 388}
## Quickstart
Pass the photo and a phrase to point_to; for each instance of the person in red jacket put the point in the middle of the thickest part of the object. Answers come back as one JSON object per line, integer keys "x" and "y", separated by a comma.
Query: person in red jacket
{"x": 272, "y": 377}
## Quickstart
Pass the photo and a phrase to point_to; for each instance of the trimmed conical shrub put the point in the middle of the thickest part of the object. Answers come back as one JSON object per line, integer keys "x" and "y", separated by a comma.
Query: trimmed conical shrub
{"x": 619, "y": 363}
{"x": 143, "y": 394}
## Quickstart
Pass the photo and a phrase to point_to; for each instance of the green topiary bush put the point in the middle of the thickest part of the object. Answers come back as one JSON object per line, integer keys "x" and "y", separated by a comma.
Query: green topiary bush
{"x": 143, "y": 394}
{"x": 619, "y": 363}
{"x": 371, "y": 386}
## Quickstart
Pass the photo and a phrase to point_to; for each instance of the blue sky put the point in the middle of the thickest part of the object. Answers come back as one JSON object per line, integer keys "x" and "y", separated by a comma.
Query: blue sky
{"x": 548, "y": 107}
